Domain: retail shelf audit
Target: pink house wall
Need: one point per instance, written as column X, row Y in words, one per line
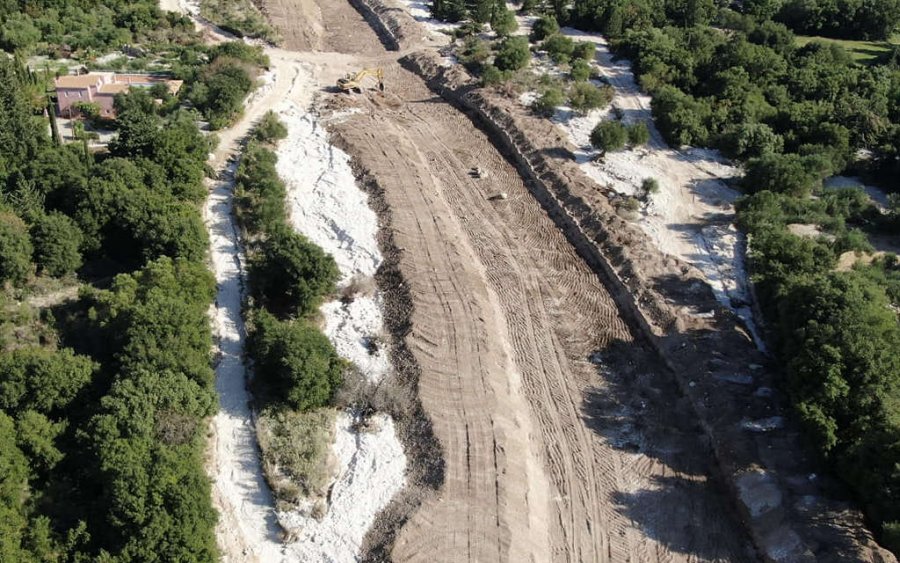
column 65, row 97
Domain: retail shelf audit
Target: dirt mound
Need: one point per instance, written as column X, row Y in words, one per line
column 792, row 514
column 396, row 28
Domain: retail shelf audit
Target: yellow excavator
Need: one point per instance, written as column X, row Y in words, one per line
column 353, row 82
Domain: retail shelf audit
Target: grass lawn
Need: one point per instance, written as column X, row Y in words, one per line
column 864, row 52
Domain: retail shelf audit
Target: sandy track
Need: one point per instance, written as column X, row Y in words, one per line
column 327, row 26
column 540, row 449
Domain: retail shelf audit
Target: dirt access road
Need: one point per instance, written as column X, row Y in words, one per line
column 562, row 442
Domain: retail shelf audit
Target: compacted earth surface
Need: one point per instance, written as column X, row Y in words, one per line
column 542, row 427
column 561, row 438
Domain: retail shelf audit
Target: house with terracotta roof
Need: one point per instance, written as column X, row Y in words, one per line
column 100, row 88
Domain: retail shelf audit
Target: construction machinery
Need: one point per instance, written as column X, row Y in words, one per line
column 353, row 82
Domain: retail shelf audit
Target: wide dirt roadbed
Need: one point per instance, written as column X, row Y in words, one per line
column 561, row 441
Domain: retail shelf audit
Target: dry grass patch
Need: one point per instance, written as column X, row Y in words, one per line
column 296, row 452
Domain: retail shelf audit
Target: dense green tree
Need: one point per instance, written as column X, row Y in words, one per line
column 15, row 249
column 221, row 90
column 13, row 493
column 57, row 244
column 681, row 118
column 609, row 136
column 788, row 173
column 295, row 361
column 512, row 54
column 36, row 436
column 292, row 275
column 20, row 135
column 42, row 380
column 157, row 317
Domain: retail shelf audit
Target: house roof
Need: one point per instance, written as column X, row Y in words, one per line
column 112, row 89
column 79, row 81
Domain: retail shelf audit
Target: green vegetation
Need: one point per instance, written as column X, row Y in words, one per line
column 297, row 371
column 543, row 27
column 548, row 102
column 15, row 249
column 52, row 27
column 843, row 18
column 239, row 17
column 503, row 21
column 609, row 136
column 584, row 96
column 295, row 447
column 294, row 361
column 512, row 54
column 865, row 52
column 638, row 134
column 103, row 399
column 580, row 70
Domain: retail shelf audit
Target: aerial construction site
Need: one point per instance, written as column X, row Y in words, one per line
column 557, row 378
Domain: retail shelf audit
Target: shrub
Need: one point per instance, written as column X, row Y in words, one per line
column 259, row 193
column 513, row 54
column 548, row 102
column 42, row 380
column 584, row 96
column 782, row 173
column 580, row 70
column 491, row 76
column 15, row 249
column 503, row 21
column 270, row 129
column 544, row 27
column 559, row 47
column 609, row 136
column 650, row 185
column 638, row 134
column 294, row 362
column 295, row 447
column 475, row 53
column 584, row 50
column 57, row 242
column 291, row 275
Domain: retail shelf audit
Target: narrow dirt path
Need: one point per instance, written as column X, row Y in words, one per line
column 247, row 529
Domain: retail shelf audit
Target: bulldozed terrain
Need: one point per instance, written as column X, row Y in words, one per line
column 561, row 438
column 563, row 434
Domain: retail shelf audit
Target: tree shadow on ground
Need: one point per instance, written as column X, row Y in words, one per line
column 640, row 409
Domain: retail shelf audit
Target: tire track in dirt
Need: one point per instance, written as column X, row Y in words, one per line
column 470, row 259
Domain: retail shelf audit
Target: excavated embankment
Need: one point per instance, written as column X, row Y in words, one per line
column 791, row 514
column 425, row 469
